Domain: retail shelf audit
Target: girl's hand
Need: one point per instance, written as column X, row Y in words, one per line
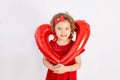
column 59, row 69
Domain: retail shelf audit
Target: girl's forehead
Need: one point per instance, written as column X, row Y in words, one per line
column 64, row 23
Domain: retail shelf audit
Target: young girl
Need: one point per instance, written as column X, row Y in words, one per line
column 62, row 24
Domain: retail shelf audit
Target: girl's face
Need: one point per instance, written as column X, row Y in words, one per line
column 63, row 30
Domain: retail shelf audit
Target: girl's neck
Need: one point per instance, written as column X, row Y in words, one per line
column 63, row 42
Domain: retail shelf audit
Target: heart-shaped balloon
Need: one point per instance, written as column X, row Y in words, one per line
column 42, row 39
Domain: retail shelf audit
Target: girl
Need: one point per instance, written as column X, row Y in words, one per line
column 62, row 24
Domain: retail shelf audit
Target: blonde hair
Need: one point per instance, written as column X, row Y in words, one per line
column 66, row 17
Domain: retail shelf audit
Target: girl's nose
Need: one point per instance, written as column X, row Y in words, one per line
column 63, row 31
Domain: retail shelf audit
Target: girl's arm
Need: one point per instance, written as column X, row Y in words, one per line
column 60, row 68
column 48, row 64
column 75, row 66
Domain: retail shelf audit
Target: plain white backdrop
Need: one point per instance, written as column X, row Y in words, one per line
column 20, row 58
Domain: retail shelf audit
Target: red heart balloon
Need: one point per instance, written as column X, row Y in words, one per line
column 42, row 39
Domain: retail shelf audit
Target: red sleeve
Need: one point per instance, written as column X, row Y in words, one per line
column 82, row 51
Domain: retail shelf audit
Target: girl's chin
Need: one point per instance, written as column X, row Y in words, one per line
column 64, row 38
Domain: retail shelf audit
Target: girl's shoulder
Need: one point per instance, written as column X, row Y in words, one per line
column 72, row 42
column 52, row 42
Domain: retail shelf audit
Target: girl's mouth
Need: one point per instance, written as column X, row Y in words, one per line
column 63, row 35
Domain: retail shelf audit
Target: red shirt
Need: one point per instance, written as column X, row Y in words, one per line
column 61, row 50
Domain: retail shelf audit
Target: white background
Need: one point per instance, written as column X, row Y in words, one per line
column 20, row 58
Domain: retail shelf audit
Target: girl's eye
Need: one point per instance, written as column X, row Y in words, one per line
column 67, row 28
column 59, row 28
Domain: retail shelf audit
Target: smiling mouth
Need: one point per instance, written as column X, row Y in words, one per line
column 63, row 35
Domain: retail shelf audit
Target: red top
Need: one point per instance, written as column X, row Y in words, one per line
column 61, row 50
